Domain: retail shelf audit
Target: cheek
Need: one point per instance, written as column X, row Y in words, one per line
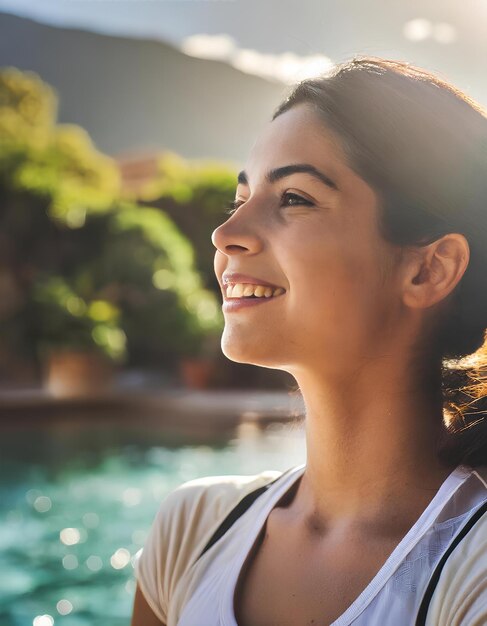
column 339, row 293
column 327, row 269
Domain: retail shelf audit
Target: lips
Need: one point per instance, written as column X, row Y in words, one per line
column 237, row 304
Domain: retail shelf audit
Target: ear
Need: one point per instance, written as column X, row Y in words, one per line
column 433, row 271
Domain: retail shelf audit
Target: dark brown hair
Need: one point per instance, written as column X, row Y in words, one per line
column 421, row 144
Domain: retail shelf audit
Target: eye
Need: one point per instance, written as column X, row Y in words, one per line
column 299, row 199
column 229, row 210
column 232, row 207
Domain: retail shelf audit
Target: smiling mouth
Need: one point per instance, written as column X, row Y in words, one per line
column 249, row 291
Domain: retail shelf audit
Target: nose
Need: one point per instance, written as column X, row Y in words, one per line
column 238, row 235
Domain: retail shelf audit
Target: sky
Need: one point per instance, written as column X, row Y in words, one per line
column 445, row 36
column 166, row 19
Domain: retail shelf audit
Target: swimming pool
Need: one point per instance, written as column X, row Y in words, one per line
column 76, row 506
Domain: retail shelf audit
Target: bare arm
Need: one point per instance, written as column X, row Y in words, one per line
column 142, row 613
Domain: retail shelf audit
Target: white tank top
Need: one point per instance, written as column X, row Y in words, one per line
column 394, row 594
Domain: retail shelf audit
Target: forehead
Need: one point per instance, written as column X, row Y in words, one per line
column 300, row 136
column 296, row 136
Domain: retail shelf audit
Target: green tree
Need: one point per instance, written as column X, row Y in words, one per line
column 79, row 266
column 194, row 194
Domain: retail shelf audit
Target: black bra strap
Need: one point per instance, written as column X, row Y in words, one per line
column 239, row 510
column 423, row 609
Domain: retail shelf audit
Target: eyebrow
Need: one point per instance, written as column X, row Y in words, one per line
column 297, row 168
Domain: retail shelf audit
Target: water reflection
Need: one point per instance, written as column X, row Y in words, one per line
column 69, row 536
column 70, row 561
column 64, row 607
column 94, row 563
column 71, row 527
column 43, row 620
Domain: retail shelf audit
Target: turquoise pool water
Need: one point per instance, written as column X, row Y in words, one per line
column 76, row 504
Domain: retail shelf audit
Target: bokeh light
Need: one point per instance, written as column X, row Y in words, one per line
column 120, row 558
column 64, row 607
column 69, row 536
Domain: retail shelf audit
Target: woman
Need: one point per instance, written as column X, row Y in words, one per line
column 362, row 216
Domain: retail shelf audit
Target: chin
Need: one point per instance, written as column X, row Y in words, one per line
column 243, row 350
column 238, row 353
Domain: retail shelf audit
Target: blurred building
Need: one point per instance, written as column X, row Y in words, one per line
column 137, row 170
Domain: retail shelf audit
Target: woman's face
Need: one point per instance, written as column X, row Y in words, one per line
column 317, row 237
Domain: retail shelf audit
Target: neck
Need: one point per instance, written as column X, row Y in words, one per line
column 372, row 452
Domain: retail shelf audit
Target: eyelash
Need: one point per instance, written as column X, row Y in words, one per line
column 229, row 210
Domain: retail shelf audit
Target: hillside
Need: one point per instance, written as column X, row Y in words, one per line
column 137, row 95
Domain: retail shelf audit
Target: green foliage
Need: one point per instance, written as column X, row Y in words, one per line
column 75, row 176
column 92, row 271
column 63, row 318
column 146, row 266
column 191, row 181
column 194, row 194
column 56, row 162
column 28, row 109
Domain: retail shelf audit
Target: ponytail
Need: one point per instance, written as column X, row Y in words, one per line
column 464, row 385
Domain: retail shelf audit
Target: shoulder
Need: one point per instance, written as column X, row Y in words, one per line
column 222, row 487
column 204, row 501
column 201, row 500
column 184, row 522
column 460, row 598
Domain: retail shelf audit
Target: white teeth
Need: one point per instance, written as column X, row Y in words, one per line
column 239, row 290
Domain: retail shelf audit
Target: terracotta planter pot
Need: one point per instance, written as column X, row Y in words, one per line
column 197, row 372
column 77, row 373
